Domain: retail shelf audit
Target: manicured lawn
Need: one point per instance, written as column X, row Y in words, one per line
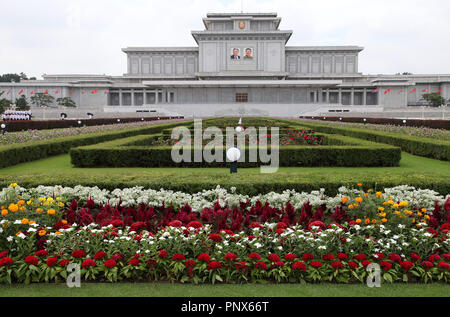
column 248, row 290
column 59, row 171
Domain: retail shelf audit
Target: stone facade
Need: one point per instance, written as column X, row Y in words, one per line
column 241, row 65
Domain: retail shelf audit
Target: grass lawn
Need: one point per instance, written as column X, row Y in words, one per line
column 58, row 170
column 247, row 290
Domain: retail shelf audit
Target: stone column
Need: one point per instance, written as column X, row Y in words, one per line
column 120, row 97
column 352, row 97
column 132, row 97
column 340, row 96
column 365, row 97
column 328, row 96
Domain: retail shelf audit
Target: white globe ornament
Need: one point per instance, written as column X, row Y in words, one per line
column 3, row 126
column 233, row 154
column 239, row 129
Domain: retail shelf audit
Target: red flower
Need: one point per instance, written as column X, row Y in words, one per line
column 254, row 256
column 117, row 257
column 136, row 226
column 255, row 225
column 117, row 223
column 190, row 263
column 194, row 224
column 385, row 265
column 281, row 225
column 352, row 265
column 134, row 262
column 299, row 266
column 79, row 254
column 230, row 257
column 204, row 257
column 365, row 263
column 342, row 256
column 395, row 257
column 215, row 237
column 3, row 254
column 279, row 263
column 446, row 256
column 414, row 257
column 178, row 257
column 434, row 258
column 406, row 265
column 151, row 262
column 110, row 263
column 443, row 265
column 6, row 261
column 273, row 257
column 307, row 257
column 163, row 254
column 214, row 265
column 317, row 224
column 175, row 223
column 290, row 257
column 261, row 265
column 87, row 263
column 241, row 265
column 41, row 253
column 51, row 261
column 316, row 264
column 279, row 231
column 328, row 256
column 360, row 257
column 337, row 265
column 99, row 255
column 63, row 262
column 427, row 264
column 379, row 256
column 31, row 260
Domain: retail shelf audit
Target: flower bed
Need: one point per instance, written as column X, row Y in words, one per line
column 219, row 236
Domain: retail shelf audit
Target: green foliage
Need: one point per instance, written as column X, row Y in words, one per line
column 437, row 149
column 22, row 103
column 66, row 102
column 4, row 103
column 42, row 100
column 434, row 99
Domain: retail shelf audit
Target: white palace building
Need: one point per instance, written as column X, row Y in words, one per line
column 242, row 66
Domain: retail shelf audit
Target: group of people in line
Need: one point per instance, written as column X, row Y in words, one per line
column 16, row 115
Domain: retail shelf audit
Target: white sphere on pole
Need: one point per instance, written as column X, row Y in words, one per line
column 233, row 154
column 239, row 129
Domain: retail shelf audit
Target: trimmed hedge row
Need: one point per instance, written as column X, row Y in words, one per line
column 437, row 149
column 13, row 126
column 18, row 153
column 352, row 153
column 434, row 124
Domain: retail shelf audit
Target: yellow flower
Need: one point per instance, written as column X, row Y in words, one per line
column 13, row 185
column 427, row 217
column 60, row 204
column 4, row 212
column 395, row 206
column 51, row 211
column 359, row 184
column 367, row 221
column 384, row 220
column 374, row 221
column 366, row 195
column 344, row 199
column 358, row 199
column 64, row 221
column 403, row 203
column 58, row 198
column 21, row 203
column 25, row 221
column 41, row 199
column 381, row 208
column 22, row 208
column 18, row 233
column 42, row 232
column 29, row 202
column 13, row 207
column 351, row 207
column 397, row 212
column 57, row 232
column 31, row 222
column 382, row 214
column 358, row 221
column 424, row 210
column 419, row 214
column 50, row 200
column 39, row 210
column 418, row 226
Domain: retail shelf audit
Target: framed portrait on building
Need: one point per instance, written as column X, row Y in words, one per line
column 248, row 53
column 236, row 53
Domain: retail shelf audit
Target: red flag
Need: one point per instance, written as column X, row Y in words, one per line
column 20, row 92
column 414, row 90
column 70, row 92
column 375, row 90
column 426, row 90
column 56, row 91
column 94, row 91
column 46, row 91
column 387, row 91
column 439, row 92
column 106, row 91
column 83, row 91
column 33, row 91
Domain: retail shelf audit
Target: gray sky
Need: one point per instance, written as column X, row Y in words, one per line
column 86, row 36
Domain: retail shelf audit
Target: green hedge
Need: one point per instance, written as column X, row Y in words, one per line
column 437, row 149
column 25, row 152
column 344, row 153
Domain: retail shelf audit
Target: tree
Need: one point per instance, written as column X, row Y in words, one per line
column 7, row 78
column 66, row 102
column 22, row 103
column 4, row 103
column 42, row 100
column 434, row 100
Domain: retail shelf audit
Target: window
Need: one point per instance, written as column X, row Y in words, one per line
column 241, row 97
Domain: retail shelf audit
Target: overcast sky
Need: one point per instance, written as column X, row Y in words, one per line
column 86, row 36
